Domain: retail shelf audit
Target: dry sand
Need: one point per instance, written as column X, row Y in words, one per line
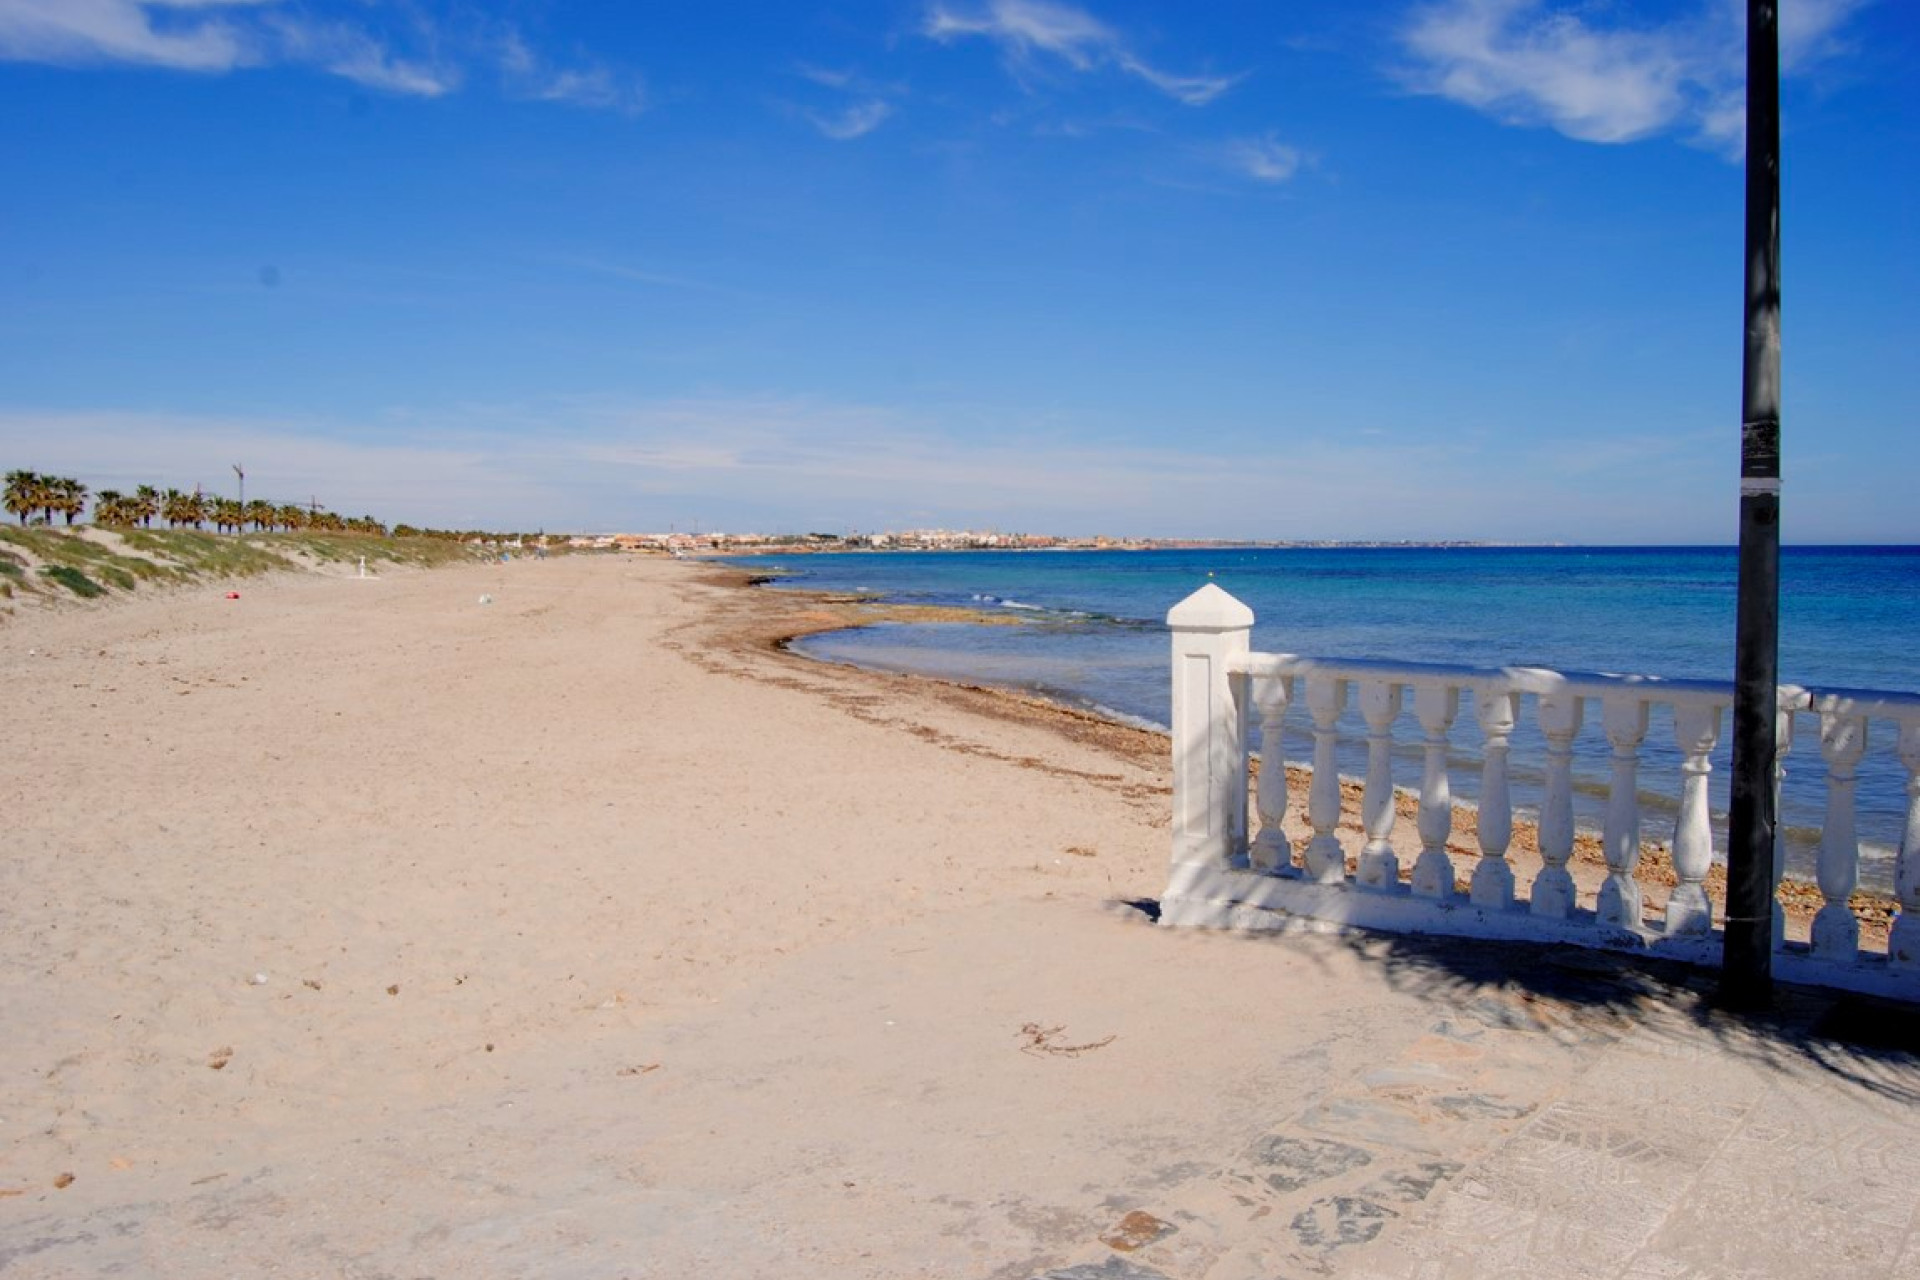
column 359, row 928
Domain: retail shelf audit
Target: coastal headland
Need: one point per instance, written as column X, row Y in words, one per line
column 547, row 918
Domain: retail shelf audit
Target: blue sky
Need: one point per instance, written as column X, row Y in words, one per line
column 1356, row 269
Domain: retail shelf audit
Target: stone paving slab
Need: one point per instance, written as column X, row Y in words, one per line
column 1567, row 1116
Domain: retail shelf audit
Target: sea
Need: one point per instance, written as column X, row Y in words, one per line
column 1092, row 634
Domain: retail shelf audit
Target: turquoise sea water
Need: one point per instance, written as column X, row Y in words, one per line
column 1094, row 636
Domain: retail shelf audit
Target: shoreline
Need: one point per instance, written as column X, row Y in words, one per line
column 820, row 612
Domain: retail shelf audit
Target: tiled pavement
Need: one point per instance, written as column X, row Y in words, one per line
column 1591, row 1120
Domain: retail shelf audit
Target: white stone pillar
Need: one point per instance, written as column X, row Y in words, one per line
column 1271, row 853
column 1903, row 941
column 1210, row 629
column 1497, row 711
column 1435, row 705
column 1843, row 740
column 1325, row 862
column 1696, row 728
column 1625, row 718
column 1553, row 894
column 1380, row 706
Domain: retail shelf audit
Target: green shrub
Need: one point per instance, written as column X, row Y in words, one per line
column 74, row 580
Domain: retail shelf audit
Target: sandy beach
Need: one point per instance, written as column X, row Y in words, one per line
column 362, row 928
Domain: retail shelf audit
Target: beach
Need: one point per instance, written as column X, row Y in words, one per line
column 546, row 919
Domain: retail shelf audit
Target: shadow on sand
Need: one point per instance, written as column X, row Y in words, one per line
column 1869, row 1043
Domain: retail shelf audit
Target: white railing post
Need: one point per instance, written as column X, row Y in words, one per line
column 1271, row 853
column 1325, row 861
column 1843, row 740
column 1696, row 727
column 1625, row 719
column 1210, row 630
column 1379, row 707
column 1903, row 940
column 1435, row 705
column 1553, row 894
column 1782, row 744
column 1492, row 884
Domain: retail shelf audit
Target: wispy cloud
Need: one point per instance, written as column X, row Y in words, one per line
column 219, row 36
column 355, row 55
column 526, row 74
column 1028, row 31
column 861, row 105
column 1565, row 67
column 1264, row 159
column 848, row 123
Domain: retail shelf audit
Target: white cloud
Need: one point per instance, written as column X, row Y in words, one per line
column 355, row 55
column 216, row 36
column 1264, row 159
column 591, row 85
column 855, row 121
column 1530, row 62
column 1027, row 29
column 826, row 76
column 82, row 32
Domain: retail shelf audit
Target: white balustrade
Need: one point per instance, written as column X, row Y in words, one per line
column 1791, row 700
column 1497, row 711
column 1625, row 719
column 1553, row 891
column 1220, row 879
column 1697, row 727
column 1379, row 706
column 1325, row 862
column 1843, row 740
column 1435, row 705
column 1271, row 853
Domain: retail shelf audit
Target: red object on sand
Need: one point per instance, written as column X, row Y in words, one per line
column 233, row 595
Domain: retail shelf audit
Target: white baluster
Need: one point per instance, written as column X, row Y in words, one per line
column 1843, row 740
column 1696, row 728
column 1492, row 887
column 1326, row 699
column 1271, row 853
column 1625, row 718
column 1436, row 705
column 1560, row 714
column 1782, row 744
column 1380, row 705
column 1903, row 941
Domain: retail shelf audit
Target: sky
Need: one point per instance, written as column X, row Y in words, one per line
column 1343, row 269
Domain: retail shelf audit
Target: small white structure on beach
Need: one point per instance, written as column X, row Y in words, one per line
column 1221, row 878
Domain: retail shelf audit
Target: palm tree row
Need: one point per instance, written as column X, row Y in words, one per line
column 28, row 492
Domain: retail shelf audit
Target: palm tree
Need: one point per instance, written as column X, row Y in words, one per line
column 23, row 494
column 110, row 507
column 261, row 513
column 67, row 496
column 292, row 516
column 146, row 505
column 228, row 514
